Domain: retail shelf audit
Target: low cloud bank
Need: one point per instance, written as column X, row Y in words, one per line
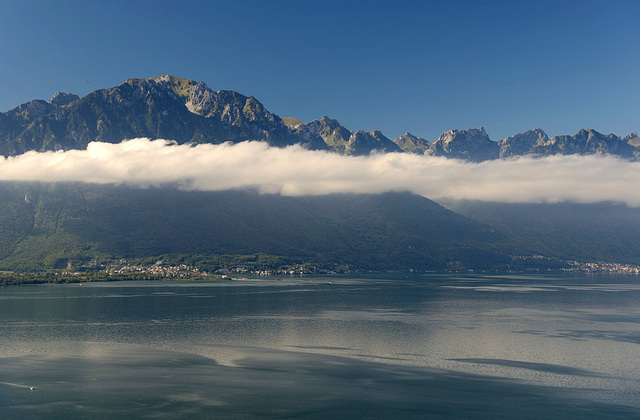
column 295, row 171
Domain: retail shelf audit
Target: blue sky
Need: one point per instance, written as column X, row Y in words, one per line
column 418, row 66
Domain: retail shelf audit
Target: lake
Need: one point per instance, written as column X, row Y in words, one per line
column 377, row 346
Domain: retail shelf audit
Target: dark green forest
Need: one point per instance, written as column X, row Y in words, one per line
column 56, row 226
column 46, row 227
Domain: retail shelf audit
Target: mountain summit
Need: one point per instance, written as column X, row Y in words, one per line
column 473, row 144
column 522, row 143
column 166, row 107
column 412, row 144
column 344, row 141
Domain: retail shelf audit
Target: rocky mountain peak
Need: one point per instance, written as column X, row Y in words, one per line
column 363, row 143
column 632, row 139
column 194, row 94
column 181, row 87
column 62, row 99
column 591, row 136
column 327, row 130
column 520, row 144
column 330, row 122
column 468, row 135
column 292, row 122
column 32, row 110
column 170, row 78
column 412, row 144
column 472, row 144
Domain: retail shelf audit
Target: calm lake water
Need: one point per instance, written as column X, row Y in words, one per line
column 395, row 347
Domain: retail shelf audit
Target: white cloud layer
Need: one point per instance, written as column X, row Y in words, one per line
column 296, row 171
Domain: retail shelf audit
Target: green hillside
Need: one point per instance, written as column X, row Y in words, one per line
column 47, row 226
column 55, row 225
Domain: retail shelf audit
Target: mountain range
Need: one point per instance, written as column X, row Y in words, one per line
column 186, row 111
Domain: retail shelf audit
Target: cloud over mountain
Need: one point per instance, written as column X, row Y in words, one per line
column 297, row 171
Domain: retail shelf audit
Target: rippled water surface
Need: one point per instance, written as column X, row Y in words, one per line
column 423, row 346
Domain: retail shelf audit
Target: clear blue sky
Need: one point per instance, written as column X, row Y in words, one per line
column 418, row 66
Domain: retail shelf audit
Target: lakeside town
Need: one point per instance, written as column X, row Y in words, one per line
column 123, row 267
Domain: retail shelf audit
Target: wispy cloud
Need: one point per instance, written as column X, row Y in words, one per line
column 296, row 171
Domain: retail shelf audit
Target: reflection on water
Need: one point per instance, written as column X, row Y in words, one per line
column 340, row 347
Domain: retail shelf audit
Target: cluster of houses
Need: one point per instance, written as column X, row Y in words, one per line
column 599, row 267
column 157, row 269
